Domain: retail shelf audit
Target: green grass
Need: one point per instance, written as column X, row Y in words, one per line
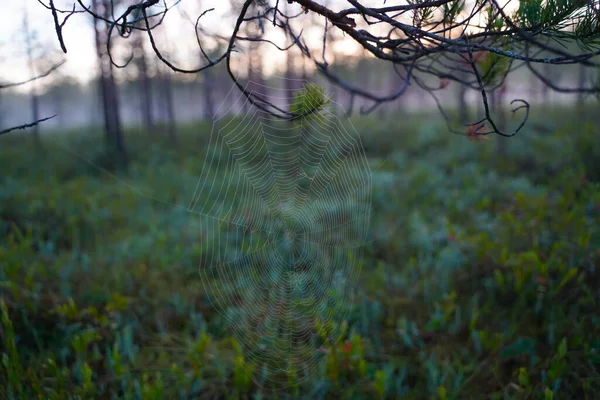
column 480, row 279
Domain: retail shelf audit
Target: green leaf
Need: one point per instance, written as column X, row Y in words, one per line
column 566, row 279
column 562, row 348
column 380, row 380
column 523, row 377
column 521, row 346
column 442, row 393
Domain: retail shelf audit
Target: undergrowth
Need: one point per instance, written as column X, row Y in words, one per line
column 480, row 279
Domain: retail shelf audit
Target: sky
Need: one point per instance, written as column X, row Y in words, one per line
column 78, row 35
column 176, row 34
column 77, row 32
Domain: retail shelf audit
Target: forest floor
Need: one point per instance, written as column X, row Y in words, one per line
column 478, row 276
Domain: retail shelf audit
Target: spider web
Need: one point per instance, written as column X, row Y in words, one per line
column 284, row 210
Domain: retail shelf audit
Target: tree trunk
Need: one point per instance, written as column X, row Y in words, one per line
column 350, row 108
column 501, row 115
column 256, row 80
column 463, row 111
column 115, row 114
column 304, row 72
column 533, row 87
column 208, row 91
column 396, row 81
column 57, row 99
column 108, row 90
column 383, row 108
column 545, row 89
column 35, row 104
column 246, row 105
column 35, row 111
column 290, row 86
column 167, row 87
column 335, row 98
column 145, row 85
column 581, row 95
column 463, row 108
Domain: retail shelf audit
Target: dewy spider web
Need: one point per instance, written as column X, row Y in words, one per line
column 284, row 209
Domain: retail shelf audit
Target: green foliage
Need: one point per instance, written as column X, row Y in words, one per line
column 452, row 10
column 481, row 280
column 11, row 366
column 310, row 100
column 494, row 22
column 493, row 67
column 562, row 19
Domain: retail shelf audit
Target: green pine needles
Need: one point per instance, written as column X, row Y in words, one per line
column 308, row 101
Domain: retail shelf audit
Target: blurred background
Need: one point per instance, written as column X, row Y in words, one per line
column 477, row 272
column 149, row 91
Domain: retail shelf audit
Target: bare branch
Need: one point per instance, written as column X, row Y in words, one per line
column 45, row 74
column 25, row 126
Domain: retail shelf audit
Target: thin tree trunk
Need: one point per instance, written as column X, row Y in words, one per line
column 35, row 111
column 208, row 91
column 116, row 118
column 246, row 105
column 533, row 87
column 383, row 108
column 105, row 110
column 262, row 87
column 290, row 86
column 463, row 111
column 304, row 72
column 256, row 79
column 463, row 108
column 166, row 88
column 108, row 90
column 145, row 86
column 252, row 84
column 396, row 81
column 335, row 96
column 290, row 72
column 501, row 113
column 350, row 108
column 35, row 104
column 365, row 77
column 545, row 89
column 102, row 83
column 581, row 95
column 170, row 108
column 57, row 99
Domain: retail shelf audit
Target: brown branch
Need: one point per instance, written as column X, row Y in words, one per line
column 59, row 26
column 55, row 67
column 25, row 126
column 337, row 19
